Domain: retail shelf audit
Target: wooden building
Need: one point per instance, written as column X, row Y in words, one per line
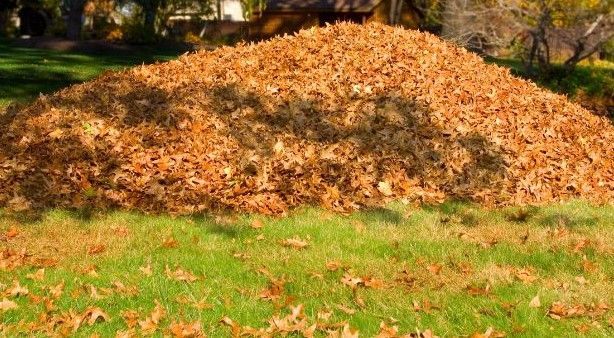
column 288, row 16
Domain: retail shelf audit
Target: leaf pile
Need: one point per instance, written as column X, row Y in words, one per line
column 344, row 116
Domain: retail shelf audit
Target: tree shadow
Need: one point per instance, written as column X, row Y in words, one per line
column 332, row 155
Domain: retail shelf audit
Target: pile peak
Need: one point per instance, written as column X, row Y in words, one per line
column 344, row 116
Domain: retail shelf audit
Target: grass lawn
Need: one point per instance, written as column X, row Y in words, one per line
column 27, row 72
column 455, row 269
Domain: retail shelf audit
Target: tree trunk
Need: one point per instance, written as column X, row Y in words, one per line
column 75, row 22
column 396, row 7
column 4, row 18
column 149, row 20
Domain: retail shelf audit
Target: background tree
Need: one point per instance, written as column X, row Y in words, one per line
column 6, row 9
column 572, row 29
column 74, row 17
column 250, row 6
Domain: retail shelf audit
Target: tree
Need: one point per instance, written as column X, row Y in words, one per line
column 250, row 5
column 74, row 23
column 429, row 13
column 150, row 11
column 572, row 29
column 6, row 8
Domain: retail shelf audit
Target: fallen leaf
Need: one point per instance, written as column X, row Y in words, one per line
column 385, row 189
column 170, row 242
column 180, row 275
column 535, row 302
column 12, row 232
column 186, row 330
column 295, row 243
column 526, row 275
column 333, row 265
column 346, row 309
column 93, row 314
column 131, row 318
column 39, row 275
column 56, row 291
column 96, row 249
column 6, row 305
column 146, row 270
column 435, row 268
column 16, row 290
column 256, row 224
column 150, row 324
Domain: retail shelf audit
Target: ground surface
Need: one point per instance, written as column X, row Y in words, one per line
column 26, row 72
column 454, row 269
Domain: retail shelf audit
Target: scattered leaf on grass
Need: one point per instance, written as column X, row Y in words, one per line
column 11, row 233
column 146, row 270
column 96, row 249
column 39, row 275
column 186, row 330
column 170, row 242
column 435, row 268
column 6, row 305
column 180, row 274
column 256, row 224
column 94, row 314
column 131, row 318
column 16, row 290
column 150, row 324
column 295, row 243
column 535, row 302
column 526, row 275
column 333, row 265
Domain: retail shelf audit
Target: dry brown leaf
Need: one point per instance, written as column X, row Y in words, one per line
column 295, row 243
column 131, row 318
column 437, row 127
column 186, row 330
column 39, row 275
column 146, row 270
column 333, row 265
column 180, row 275
column 535, row 302
column 6, row 305
column 170, row 242
column 96, row 249
column 256, row 224
column 435, row 268
column 12, row 232
column 94, row 314
column 526, row 275
column 384, row 188
column 16, row 290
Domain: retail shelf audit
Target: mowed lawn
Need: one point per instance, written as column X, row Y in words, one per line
column 454, row 269
column 25, row 73
column 451, row 270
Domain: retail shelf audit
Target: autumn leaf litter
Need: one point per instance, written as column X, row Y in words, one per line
column 345, row 116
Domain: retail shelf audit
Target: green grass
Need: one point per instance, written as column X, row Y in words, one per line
column 595, row 80
column 477, row 249
column 396, row 245
column 27, row 72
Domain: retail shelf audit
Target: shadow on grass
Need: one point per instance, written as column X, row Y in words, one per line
column 567, row 220
column 25, row 73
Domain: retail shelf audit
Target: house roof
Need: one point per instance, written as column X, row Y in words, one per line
column 321, row 5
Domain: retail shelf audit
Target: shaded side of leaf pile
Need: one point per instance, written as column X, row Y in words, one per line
column 343, row 116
